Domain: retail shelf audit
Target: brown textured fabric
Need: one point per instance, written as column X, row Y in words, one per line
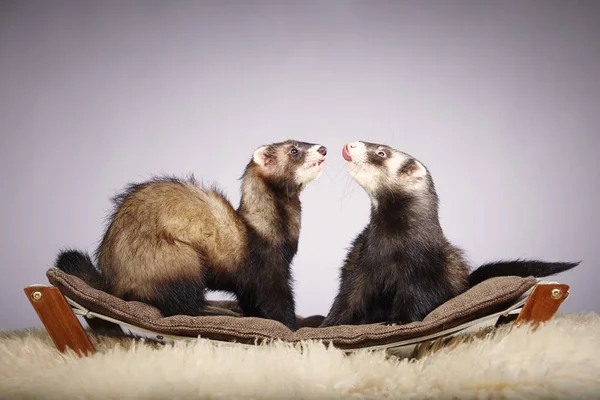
column 482, row 299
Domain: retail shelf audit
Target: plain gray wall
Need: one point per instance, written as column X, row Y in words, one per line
column 500, row 99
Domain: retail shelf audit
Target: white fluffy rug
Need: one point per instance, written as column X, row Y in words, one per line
column 559, row 360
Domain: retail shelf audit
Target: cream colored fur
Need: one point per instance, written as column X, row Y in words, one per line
column 559, row 360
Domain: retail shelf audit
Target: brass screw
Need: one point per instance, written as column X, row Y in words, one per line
column 556, row 293
column 36, row 295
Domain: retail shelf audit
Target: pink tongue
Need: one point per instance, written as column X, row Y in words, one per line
column 345, row 154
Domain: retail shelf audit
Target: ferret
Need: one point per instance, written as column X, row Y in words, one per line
column 401, row 266
column 169, row 239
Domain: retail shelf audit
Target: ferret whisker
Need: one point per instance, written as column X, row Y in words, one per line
column 347, row 187
column 353, row 185
column 327, row 174
column 339, row 170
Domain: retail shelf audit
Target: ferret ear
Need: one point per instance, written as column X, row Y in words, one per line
column 261, row 157
column 413, row 169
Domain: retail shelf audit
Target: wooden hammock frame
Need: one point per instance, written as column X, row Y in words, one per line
column 66, row 331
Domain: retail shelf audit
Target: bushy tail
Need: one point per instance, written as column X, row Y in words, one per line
column 79, row 264
column 523, row 268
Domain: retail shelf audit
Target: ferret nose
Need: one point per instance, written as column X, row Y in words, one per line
column 352, row 145
column 322, row 150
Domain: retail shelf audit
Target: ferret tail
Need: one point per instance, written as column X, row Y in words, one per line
column 79, row 264
column 522, row 268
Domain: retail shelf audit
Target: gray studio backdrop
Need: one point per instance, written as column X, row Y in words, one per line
column 500, row 99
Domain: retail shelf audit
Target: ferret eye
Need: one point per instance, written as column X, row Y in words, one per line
column 294, row 150
column 381, row 154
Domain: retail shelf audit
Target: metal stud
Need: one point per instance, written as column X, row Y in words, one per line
column 556, row 293
column 36, row 295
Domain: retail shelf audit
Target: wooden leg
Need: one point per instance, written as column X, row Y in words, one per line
column 59, row 320
column 542, row 304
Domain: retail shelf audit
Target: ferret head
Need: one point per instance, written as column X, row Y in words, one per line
column 290, row 163
column 381, row 170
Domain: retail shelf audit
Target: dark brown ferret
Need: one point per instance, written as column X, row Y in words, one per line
column 170, row 239
column 402, row 266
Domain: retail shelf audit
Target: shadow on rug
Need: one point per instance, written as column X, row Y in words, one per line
column 558, row 360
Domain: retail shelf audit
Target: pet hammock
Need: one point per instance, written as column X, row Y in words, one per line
column 487, row 304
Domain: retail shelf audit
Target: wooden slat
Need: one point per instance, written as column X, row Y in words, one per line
column 59, row 320
column 542, row 304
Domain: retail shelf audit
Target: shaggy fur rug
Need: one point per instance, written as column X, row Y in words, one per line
column 560, row 359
